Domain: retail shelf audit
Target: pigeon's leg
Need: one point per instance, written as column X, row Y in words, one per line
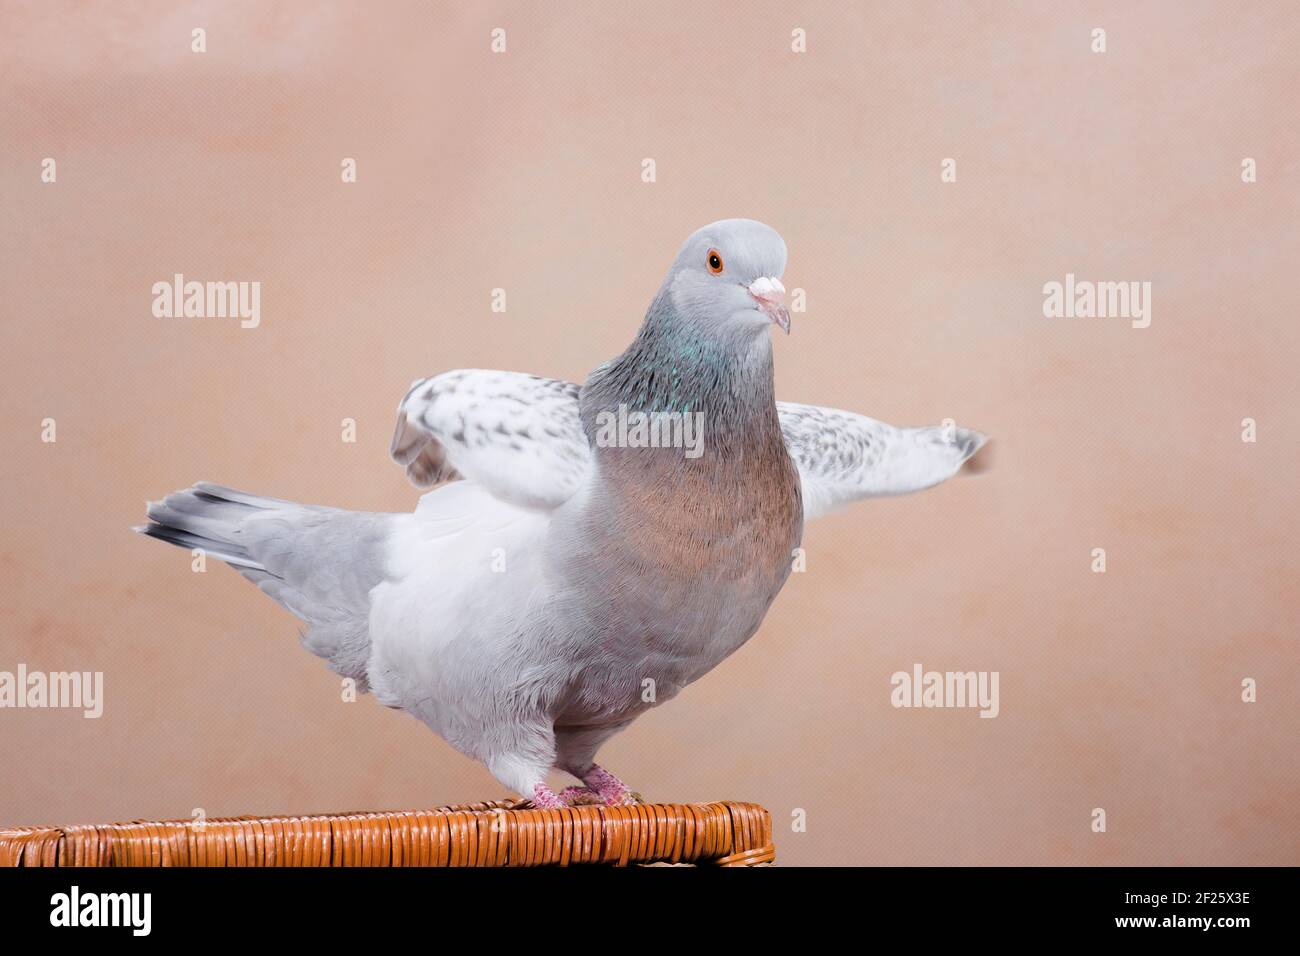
column 575, row 750
column 526, row 753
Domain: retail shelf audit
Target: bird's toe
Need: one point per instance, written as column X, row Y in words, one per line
column 579, row 797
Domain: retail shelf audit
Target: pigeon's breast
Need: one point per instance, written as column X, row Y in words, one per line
column 678, row 563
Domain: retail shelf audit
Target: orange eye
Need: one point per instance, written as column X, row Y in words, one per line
column 715, row 261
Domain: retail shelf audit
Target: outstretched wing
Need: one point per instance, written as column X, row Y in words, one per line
column 843, row 457
column 518, row 436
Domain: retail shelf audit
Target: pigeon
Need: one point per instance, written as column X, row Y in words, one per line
column 586, row 551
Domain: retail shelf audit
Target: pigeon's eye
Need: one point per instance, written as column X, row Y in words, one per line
column 715, row 261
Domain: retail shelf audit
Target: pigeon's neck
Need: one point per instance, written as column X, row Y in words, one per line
column 677, row 367
column 693, row 483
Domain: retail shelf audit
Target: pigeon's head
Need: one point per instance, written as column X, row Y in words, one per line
column 728, row 274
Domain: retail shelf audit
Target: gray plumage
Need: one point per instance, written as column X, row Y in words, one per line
column 526, row 605
column 319, row 563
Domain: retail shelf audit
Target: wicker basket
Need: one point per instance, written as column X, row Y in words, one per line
column 500, row 833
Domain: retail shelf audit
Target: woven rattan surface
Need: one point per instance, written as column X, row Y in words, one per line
column 500, row 833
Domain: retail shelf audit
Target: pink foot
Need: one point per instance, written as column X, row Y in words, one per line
column 544, row 798
column 577, row 796
column 612, row 791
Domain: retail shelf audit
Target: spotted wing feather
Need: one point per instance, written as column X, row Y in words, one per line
column 517, row 435
column 843, row 457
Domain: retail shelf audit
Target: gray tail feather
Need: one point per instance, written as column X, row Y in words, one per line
column 329, row 593
column 208, row 517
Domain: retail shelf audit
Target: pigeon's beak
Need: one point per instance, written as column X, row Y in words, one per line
column 770, row 296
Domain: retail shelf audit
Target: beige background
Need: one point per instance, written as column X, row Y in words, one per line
column 522, row 171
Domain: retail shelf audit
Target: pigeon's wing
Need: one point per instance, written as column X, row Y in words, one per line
column 843, row 457
column 516, row 435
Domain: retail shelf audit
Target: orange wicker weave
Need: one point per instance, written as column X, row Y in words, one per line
column 499, row 833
